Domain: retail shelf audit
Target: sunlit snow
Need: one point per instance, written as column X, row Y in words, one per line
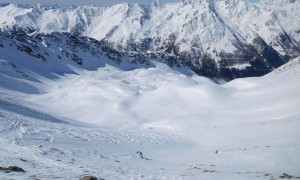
column 187, row 127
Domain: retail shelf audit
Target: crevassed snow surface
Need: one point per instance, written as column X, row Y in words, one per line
column 187, row 127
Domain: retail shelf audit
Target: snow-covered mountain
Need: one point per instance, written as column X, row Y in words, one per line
column 114, row 92
column 225, row 39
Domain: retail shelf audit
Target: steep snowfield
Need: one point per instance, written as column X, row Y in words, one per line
column 186, row 126
column 225, row 39
column 72, row 106
column 206, row 25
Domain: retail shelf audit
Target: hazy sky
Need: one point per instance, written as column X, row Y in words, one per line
column 82, row 2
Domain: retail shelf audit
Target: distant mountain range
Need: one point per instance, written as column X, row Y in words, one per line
column 224, row 39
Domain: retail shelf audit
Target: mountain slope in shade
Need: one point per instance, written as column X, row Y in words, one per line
column 115, row 92
column 225, row 39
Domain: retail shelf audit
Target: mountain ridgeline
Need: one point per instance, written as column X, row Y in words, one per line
column 225, row 39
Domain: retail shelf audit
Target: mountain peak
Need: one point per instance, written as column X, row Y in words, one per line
column 195, row 33
column 198, row 1
column 277, row 3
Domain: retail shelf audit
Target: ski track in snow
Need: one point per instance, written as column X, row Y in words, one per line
column 95, row 122
column 38, row 145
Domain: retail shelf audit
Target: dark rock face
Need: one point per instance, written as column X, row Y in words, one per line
column 140, row 155
column 212, row 38
column 1, row 45
column 259, row 57
column 90, row 178
column 287, row 176
column 11, row 169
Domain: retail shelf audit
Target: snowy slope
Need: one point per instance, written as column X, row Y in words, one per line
column 186, row 126
column 187, row 20
column 213, row 38
column 287, row 67
column 114, row 92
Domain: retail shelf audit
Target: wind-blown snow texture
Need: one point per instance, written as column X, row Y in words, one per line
column 225, row 39
column 148, row 123
column 81, row 94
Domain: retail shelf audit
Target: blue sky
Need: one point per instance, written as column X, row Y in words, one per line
column 83, row 2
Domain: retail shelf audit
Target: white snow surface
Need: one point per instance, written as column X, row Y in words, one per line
column 212, row 26
column 93, row 122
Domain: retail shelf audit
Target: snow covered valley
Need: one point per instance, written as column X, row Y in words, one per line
column 150, row 123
